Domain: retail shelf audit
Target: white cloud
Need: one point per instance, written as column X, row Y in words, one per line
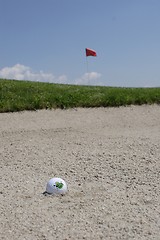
column 21, row 72
column 91, row 78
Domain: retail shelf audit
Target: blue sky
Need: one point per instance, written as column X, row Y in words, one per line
column 45, row 40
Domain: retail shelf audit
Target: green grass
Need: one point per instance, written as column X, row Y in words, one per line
column 26, row 95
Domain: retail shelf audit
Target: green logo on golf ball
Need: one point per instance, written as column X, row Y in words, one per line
column 59, row 185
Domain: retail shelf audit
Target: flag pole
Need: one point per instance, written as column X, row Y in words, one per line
column 87, row 69
column 89, row 52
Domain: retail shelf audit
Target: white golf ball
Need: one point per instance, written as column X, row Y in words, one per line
column 56, row 186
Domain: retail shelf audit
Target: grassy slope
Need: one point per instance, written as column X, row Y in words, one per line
column 26, row 95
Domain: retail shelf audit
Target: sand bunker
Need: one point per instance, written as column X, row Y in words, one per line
column 110, row 159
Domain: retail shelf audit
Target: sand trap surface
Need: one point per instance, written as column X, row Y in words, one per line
column 110, row 159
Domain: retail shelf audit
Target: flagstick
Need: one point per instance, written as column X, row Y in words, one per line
column 87, row 69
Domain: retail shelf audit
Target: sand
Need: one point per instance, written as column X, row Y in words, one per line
column 110, row 159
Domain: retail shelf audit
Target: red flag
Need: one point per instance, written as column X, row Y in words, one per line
column 90, row 52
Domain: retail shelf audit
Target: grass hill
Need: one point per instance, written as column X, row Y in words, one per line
column 26, row 95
